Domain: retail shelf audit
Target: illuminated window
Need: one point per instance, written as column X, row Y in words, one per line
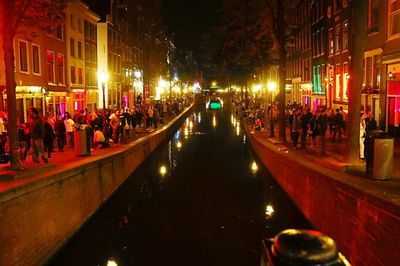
column 35, row 59
column 50, row 67
column 338, row 81
column 345, row 80
column 394, row 18
column 23, row 56
column 60, row 68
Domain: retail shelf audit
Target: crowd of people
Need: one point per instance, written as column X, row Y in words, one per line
column 304, row 124
column 41, row 132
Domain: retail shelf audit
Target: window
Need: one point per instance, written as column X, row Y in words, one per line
column 338, row 38
column 79, row 25
column 345, row 35
column 80, row 76
column 73, row 75
column 60, row 68
column 373, row 16
column 60, row 32
column 93, row 53
column 322, row 40
column 394, row 18
column 23, row 56
column 87, row 52
column 72, row 21
column 86, row 29
column 88, row 80
column 331, row 42
column 72, row 47
column 35, row 59
column 346, row 77
column 79, row 49
column 338, row 81
column 50, row 67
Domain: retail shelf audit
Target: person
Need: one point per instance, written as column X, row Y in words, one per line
column 98, row 139
column 338, row 126
column 295, row 129
column 48, row 136
column 61, row 131
column 37, row 134
column 305, row 122
column 322, row 125
column 257, row 125
column 362, row 137
column 69, row 126
column 344, row 115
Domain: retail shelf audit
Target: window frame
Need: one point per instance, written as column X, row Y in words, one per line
column 49, row 81
column 20, row 57
column 390, row 20
column 38, row 60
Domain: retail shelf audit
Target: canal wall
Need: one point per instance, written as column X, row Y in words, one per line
column 352, row 210
column 37, row 218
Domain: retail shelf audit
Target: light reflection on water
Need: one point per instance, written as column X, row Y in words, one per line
column 202, row 198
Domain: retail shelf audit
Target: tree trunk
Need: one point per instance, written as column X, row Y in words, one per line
column 8, row 36
column 282, row 70
column 358, row 23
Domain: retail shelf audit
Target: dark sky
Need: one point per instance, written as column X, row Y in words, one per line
column 189, row 19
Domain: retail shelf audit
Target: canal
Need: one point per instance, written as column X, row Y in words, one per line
column 202, row 198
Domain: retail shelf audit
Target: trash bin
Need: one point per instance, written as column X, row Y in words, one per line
column 379, row 155
column 82, row 141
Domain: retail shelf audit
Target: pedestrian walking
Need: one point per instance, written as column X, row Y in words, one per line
column 37, row 134
column 69, row 126
column 61, row 132
column 48, row 137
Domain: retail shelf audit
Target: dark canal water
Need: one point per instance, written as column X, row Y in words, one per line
column 208, row 208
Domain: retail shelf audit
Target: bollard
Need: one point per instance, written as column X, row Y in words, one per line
column 302, row 248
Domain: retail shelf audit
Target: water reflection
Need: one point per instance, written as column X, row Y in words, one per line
column 203, row 198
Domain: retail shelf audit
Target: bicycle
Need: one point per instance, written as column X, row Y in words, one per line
column 5, row 154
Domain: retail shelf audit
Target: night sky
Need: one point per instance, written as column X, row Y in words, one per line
column 190, row 19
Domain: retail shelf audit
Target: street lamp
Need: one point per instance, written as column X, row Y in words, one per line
column 271, row 88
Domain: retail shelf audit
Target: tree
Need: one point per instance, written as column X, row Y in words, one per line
column 358, row 22
column 279, row 20
column 45, row 14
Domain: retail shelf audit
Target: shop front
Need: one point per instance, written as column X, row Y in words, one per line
column 393, row 101
column 27, row 97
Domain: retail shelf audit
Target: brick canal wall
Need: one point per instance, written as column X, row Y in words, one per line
column 365, row 227
column 36, row 219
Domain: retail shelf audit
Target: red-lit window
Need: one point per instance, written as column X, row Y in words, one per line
column 50, row 67
column 23, row 56
column 60, row 68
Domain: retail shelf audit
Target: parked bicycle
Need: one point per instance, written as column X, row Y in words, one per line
column 5, row 154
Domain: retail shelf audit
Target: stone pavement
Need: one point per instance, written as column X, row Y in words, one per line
column 10, row 179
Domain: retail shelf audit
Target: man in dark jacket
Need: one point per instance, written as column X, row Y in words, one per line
column 61, row 132
column 37, row 134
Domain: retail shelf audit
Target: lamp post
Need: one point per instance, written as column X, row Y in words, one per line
column 271, row 88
